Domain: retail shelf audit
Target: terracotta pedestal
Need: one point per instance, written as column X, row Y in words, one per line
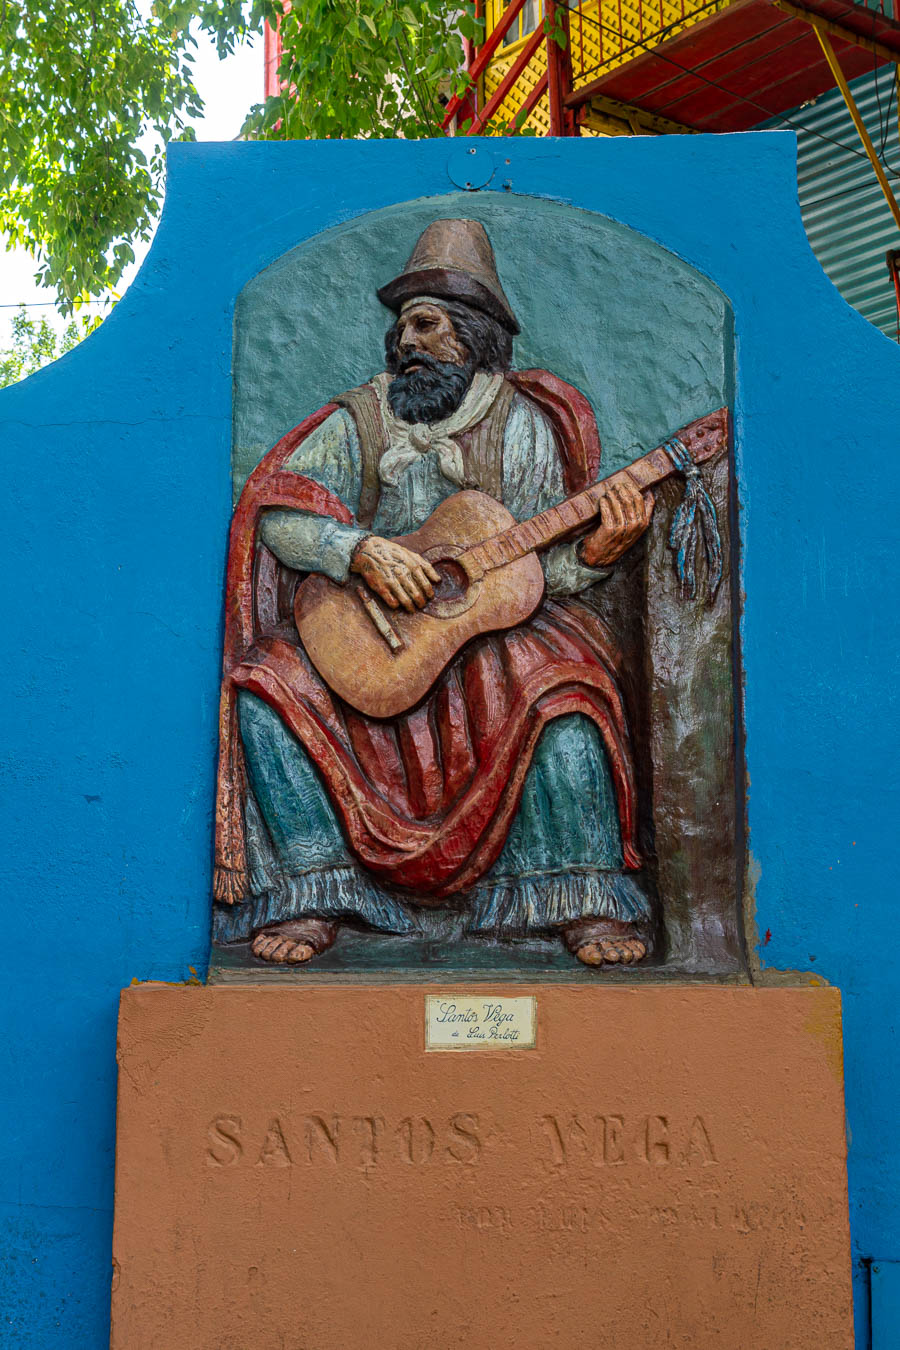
column 296, row 1172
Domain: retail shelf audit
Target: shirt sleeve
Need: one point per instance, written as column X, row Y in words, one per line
column 532, row 482
column 330, row 455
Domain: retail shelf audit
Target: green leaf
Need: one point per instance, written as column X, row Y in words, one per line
column 91, row 98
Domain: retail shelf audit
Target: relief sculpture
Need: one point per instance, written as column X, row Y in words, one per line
column 443, row 655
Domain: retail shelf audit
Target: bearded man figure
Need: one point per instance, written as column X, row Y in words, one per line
column 508, row 792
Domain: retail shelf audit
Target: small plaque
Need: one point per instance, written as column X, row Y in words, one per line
column 481, row 1023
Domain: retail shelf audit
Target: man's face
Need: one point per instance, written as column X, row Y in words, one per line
column 429, row 329
column 430, row 366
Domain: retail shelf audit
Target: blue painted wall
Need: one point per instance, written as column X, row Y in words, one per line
column 116, row 464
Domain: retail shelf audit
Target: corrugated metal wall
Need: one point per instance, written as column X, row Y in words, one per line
column 846, row 216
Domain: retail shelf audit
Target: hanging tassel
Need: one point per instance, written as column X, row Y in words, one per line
column 694, row 525
column 231, row 882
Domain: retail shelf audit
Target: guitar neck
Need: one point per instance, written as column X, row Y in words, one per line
column 702, row 439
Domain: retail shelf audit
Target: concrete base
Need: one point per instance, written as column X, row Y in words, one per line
column 296, row 1172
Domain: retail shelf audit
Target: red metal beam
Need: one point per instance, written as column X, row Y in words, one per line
column 508, row 80
column 751, row 67
column 559, row 70
column 477, row 68
column 468, row 103
column 756, row 89
column 734, row 30
column 648, row 72
column 272, row 53
column 469, row 48
column 865, row 24
column 740, row 66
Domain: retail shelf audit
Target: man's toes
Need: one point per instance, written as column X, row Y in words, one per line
column 596, row 953
column 268, row 947
column 610, row 951
column 299, row 952
column 273, row 947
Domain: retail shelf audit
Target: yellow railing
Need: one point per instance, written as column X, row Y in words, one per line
column 603, row 34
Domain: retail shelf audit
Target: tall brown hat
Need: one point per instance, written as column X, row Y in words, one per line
column 452, row 260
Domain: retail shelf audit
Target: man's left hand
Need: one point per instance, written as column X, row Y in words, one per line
column 625, row 513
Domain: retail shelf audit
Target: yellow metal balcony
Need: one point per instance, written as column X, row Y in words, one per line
column 602, row 35
column 676, row 65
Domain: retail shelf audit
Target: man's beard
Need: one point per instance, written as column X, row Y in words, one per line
column 430, row 393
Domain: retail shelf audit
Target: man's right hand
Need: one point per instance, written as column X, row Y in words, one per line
column 398, row 575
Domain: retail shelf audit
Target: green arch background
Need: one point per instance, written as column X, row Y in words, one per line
column 645, row 336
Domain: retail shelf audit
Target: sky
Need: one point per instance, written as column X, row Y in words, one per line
column 228, row 89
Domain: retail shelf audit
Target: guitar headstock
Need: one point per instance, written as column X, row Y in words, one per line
column 707, row 436
column 702, row 439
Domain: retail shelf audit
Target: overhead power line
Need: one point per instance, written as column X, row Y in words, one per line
column 44, row 304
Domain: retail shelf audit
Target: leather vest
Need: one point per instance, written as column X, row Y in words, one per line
column 482, row 445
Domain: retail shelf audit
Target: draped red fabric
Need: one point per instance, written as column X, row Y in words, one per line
column 426, row 799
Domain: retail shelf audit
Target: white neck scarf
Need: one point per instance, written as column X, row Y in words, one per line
column 408, row 441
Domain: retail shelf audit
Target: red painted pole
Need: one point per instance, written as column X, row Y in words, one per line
column 469, row 47
column 272, row 52
column 508, row 80
column 559, row 70
column 468, row 106
column 484, row 56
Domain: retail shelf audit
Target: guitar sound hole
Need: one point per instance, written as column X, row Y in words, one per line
column 453, row 583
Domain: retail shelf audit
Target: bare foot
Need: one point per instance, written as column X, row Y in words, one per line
column 599, row 942
column 270, row 947
column 293, row 942
column 612, row 950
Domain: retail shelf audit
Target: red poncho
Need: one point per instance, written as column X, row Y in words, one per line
column 425, row 799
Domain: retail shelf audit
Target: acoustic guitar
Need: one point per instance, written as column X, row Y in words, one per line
column 383, row 661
